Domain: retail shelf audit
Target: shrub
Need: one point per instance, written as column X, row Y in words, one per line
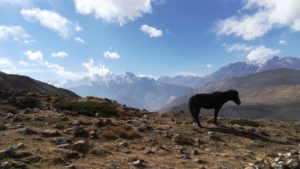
column 89, row 108
column 245, row 122
column 115, row 132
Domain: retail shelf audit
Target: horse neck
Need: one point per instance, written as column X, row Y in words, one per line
column 226, row 97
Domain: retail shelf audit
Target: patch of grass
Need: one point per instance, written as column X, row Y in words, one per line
column 245, row 122
column 115, row 132
column 89, row 108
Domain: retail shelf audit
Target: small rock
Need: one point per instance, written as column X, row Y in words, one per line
column 73, row 113
column 70, row 166
column 50, row 133
column 13, row 165
column 27, row 131
column 93, row 134
column 182, row 140
column 2, row 127
column 138, row 163
column 58, row 160
column 195, row 152
column 19, row 146
column 71, row 156
column 80, row 132
column 210, row 132
column 7, row 153
column 144, row 128
column 124, row 144
column 20, row 126
column 81, row 146
column 31, row 159
column 61, row 140
column 198, row 161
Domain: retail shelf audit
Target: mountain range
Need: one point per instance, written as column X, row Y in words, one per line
column 166, row 92
column 129, row 89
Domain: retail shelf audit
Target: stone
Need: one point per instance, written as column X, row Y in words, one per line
column 65, row 146
column 20, row 126
column 2, row 127
column 27, row 131
column 195, row 152
column 73, row 113
column 182, row 140
column 70, row 166
column 81, row 146
column 124, row 144
column 138, row 163
column 93, row 134
column 13, row 165
column 50, row 133
column 7, row 153
column 144, row 128
column 80, row 132
column 58, row 160
column 71, row 156
column 198, row 161
column 18, row 146
column 61, row 140
column 31, row 159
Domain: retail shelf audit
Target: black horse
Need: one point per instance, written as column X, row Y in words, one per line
column 211, row 101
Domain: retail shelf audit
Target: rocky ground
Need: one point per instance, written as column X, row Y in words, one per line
column 46, row 137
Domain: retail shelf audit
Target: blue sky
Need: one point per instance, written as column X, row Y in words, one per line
column 55, row 40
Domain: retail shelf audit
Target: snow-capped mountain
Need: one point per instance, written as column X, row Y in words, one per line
column 191, row 81
column 240, row 69
column 129, row 89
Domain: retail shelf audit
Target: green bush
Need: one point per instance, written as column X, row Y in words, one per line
column 88, row 108
column 245, row 122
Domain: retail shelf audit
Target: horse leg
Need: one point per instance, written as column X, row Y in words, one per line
column 216, row 115
column 196, row 116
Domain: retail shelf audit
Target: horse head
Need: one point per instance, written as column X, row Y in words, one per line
column 234, row 96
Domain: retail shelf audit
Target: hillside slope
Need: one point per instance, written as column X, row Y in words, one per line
column 18, row 82
column 64, row 136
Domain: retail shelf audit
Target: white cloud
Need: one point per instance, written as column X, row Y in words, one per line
column 16, row 2
column 94, row 70
column 267, row 15
column 253, row 53
column 6, row 65
column 79, row 40
column 15, row 33
column 261, row 53
column 23, row 63
column 114, row 11
column 50, row 20
column 34, row 56
column 4, row 62
column 111, row 55
column 151, row 31
column 237, row 47
column 37, row 57
column 59, row 54
column 78, row 28
column 208, row 65
column 282, row 42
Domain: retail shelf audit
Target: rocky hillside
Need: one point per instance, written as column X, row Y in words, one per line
column 270, row 94
column 18, row 82
column 94, row 133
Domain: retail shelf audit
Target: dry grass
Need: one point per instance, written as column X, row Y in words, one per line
column 115, row 132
